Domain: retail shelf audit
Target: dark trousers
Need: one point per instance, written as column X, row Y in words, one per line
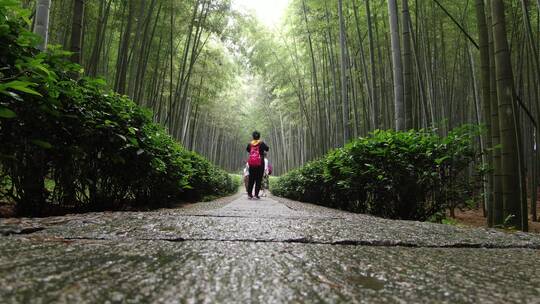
column 255, row 178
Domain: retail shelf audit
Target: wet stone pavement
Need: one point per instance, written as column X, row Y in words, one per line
column 271, row 251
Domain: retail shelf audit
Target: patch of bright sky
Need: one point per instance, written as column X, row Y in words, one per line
column 269, row 12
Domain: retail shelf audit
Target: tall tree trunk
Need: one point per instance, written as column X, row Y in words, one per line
column 508, row 119
column 498, row 216
column 407, row 64
column 534, row 49
column 99, row 38
column 123, row 51
column 312, row 56
column 171, row 42
column 140, row 87
column 368, row 120
column 343, row 68
column 376, row 101
column 41, row 26
column 398, row 71
column 77, row 30
column 484, row 79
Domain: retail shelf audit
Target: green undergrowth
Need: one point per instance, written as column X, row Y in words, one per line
column 73, row 144
column 450, row 221
column 237, row 179
column 414, row 175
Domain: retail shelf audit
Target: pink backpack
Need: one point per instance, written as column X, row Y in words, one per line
column 254, row 156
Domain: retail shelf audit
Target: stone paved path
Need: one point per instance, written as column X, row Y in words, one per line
column 268, row 251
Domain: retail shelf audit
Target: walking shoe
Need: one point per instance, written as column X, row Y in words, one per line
column 257, row 197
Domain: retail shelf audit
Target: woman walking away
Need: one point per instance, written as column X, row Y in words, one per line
column 265, row 185
column 256, row 149
column 246, row 177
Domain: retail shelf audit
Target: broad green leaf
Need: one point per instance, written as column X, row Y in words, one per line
column 21, row 86
column 26, row 90
column 41, row 143
column 7, row 113
column 4, row 29
column 43, row 69
column 439, row 160
column 134, row 141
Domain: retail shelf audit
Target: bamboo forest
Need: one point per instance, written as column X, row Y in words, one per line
column 212, row 148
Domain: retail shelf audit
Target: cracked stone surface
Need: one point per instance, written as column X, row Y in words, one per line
column 268, row 251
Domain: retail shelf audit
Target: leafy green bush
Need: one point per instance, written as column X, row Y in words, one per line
column 402, row 175
column 94, row 148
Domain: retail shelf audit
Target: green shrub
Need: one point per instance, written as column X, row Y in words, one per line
column 93, row 148
column 402, row 175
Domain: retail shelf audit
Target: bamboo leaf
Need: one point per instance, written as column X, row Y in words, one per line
column 21, row 86
column 41, row 143
column 7, row 113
